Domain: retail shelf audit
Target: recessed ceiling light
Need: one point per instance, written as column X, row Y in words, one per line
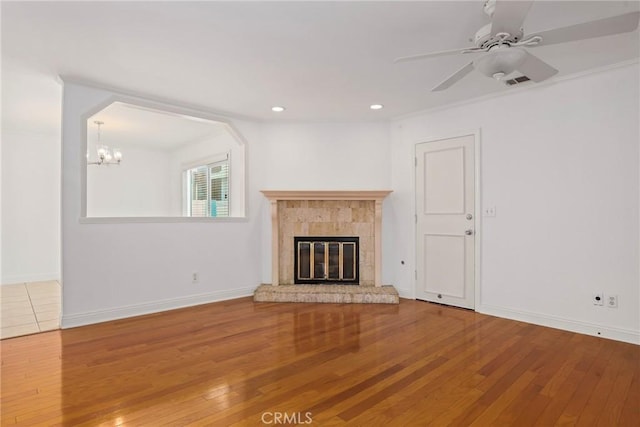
column 277, row 109
column 376, row 106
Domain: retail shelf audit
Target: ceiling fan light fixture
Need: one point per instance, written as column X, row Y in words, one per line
column 500, row 62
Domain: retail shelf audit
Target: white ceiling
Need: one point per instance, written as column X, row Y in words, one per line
column 125, row 125
column 324, row 61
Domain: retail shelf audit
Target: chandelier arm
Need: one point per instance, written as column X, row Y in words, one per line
column 106, row 156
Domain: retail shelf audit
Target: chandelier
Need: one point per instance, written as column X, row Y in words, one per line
column 106, row 155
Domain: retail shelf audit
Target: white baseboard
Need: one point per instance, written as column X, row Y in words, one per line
column 81, row 319
column 618, row 334
column 88, row 318
column 403, row 293
column 27, row 278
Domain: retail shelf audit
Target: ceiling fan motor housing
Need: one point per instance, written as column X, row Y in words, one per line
column 485, row 38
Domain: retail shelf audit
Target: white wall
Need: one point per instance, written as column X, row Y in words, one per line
column 30, row 206
column 327, row 156
column 30, row 144
column 113, row 270
column 560, row 163
column 137, row 187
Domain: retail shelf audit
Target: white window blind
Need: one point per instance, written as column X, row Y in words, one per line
column 208, row 190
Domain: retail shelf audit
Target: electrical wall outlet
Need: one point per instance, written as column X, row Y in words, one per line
column 612, row 301
column 195, row 277
column 598, row 299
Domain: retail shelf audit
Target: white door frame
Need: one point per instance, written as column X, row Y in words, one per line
column 478, row 214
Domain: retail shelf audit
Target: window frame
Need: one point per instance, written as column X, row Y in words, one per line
column 208, row 163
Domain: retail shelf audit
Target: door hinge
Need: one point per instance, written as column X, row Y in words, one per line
column 416, row 271
column 416, row 218
column 415, row 163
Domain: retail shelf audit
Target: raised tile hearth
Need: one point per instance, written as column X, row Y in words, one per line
column 337, row 294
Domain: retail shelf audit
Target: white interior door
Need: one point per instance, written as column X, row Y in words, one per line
column 445, row 208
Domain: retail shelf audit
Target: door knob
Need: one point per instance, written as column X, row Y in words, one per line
column 468, row 232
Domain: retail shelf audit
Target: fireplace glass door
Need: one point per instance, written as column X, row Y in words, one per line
column 326, row 260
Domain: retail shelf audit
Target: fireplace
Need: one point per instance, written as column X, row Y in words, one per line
column 326, row 260
column 355, row 213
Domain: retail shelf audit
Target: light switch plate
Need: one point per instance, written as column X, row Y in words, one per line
column 489, row 211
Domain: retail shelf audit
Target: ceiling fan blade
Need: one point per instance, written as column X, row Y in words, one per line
column 600, row 28
column 436, row 54
column 536, row 69
column 455, row 77
column 509, row 16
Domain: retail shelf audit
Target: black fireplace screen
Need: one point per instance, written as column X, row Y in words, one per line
column 326, row 260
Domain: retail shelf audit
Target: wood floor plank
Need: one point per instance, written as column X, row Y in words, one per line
column 501, row 402
column 233, row 362
column 612, row 410
column 630, row 413
column 577, row 407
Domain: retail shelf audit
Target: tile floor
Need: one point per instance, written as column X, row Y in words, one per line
column 29, row 308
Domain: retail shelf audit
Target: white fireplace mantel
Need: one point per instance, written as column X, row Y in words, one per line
column 369, row 195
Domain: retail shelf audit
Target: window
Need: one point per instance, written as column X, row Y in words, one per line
column 207, row 189
column 157, row 161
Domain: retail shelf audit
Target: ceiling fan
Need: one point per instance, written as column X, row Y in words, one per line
column 501, row 43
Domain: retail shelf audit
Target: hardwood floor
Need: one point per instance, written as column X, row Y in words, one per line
column 244, row 363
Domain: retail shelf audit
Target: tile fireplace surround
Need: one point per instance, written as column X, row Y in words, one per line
column 326, row 213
